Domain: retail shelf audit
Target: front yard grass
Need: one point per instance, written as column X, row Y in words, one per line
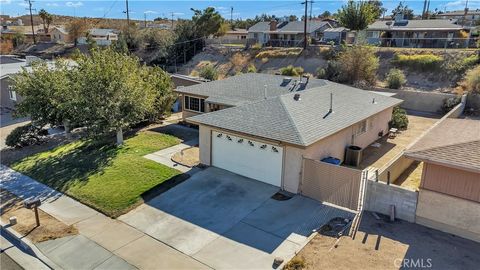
column 97, row 173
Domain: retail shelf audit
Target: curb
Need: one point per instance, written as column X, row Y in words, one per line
column 27, row 246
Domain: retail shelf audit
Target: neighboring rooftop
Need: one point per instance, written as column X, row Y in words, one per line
column 248, row 87
column 288, row 27
column 452, row 143
column 300, row 122
column 415, row 25
column 102, row 32
column 460, row 13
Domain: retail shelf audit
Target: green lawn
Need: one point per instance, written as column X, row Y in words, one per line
column 101, row 175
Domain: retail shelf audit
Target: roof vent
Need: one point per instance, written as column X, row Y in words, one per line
column 296, row 97
column 374, row 101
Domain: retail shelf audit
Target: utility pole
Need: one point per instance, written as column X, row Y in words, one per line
column 31, row 21
column 231, row 15
column 128, row 13
column 172, row 19
column 427, row 13
column 424, row 8
column 305, row 25
column 145, row 19
column 465, row 14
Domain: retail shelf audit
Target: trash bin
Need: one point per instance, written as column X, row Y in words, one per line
column 353, row 155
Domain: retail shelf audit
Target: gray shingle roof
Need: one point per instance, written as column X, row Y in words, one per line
column 245, row 88
column 300, row 122
column 298, row 26
column 102, row 32
column 260, row 27
column 452, row 142
column 415, row 25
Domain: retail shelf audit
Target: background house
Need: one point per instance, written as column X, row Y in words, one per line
column 472, row 17
column 449, row 195
column 286, row 33
column 60, row 35
column 103, row 37
column 417, row 33
column 265, row 125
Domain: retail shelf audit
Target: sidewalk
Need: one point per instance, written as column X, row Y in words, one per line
column 102, row 243
column 164, row 157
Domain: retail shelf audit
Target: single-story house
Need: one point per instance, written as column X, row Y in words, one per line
column 449, row 192
column 60, row 35
column 103, row 37
column 337, row 34
column 286, row 33
column 235, row 34
column 261, row 126
column 9, row 66
column 401, row 32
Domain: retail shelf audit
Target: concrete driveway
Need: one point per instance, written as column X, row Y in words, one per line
column 229, row 221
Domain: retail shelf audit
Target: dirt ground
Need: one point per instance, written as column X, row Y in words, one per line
column 50, row 228
column 391, row 245
column 411, row 177
column 188, row 157
column 391, row 147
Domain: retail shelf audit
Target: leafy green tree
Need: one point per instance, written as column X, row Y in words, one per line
column 356, row 15
column 48, row 93
column 326, row 14
column 405, row 10
column 207, row 21
column 160, row 81
column 117, row 91
column 377, row 7
column 47, row 19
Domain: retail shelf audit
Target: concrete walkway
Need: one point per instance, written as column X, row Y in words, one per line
column 164, row 156
column 102, row 243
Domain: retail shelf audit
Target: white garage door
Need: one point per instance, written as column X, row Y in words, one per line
column 249, row 158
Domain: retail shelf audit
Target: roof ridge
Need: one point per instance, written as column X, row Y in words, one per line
column 440, row 146
column 290, row 119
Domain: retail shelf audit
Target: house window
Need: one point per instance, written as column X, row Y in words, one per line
column 373, row 34
column 13, row 95
column 361, row 128
column 195, row 104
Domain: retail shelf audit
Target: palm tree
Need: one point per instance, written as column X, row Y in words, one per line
column 47, row 19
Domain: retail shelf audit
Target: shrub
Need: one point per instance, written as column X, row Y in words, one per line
column 321, row 73
column 295, row 264
column 251, row 68
column 333, row 70
column 358, row 63
column 399, row 118
column 208, row 72
column 463, row 64
column 395, row 78
column 420, row 62
column 24, row 136
column 291, row 71
column 450, row 103
column 472, row 80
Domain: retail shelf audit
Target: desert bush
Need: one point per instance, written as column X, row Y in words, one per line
column 291, row 71
column 208, row 72
column 395, row 78
column 358, row 63
column 251, row 68
column 419, row 62
column 321, row 73
column 256, row 46
column 399, row 118
column 463, row 64
column 472, row 80
column 25, row 136
column 296, row 263
column 450, row 103
column 332, row 72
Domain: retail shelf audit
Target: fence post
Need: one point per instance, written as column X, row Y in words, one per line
column 388, row 178
column 376, row 175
